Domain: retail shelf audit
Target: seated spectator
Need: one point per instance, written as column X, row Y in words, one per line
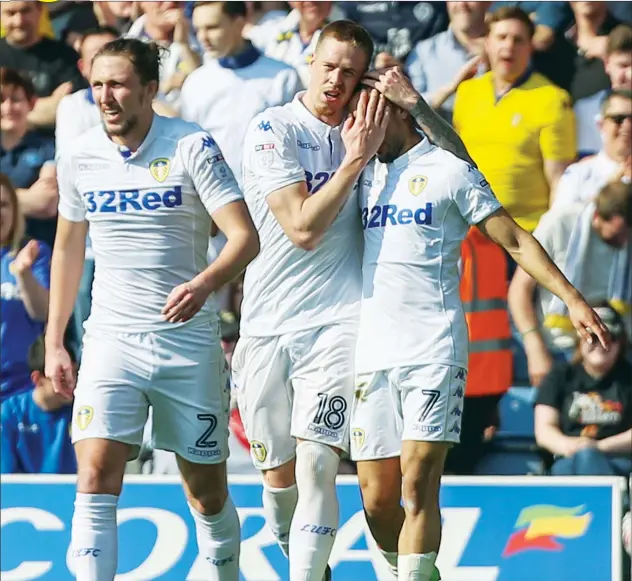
column 50, row 63
column 438, row 65
column 591, row 245
column 551, row 19
column 166, row 24
column 583, row 180
column 583, row 410
column 27, row 157
column 294, row 39
column 36, row 426
column 236, row 83
column 619, row 70
column 517, row 125
column 484, row 295
column 575, row 60
column 396, row 27
column 25, row 270
column 261, row 18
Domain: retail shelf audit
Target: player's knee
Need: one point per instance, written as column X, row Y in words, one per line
column 209, row 502
column 421, row 477
column 316, row 464
column 99, row 479
column 380, row 502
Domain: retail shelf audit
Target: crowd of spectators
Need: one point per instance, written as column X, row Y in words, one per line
column 540, row 93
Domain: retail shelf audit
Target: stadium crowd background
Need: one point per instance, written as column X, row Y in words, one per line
column 549, row 126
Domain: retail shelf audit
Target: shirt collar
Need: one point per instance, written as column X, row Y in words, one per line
column 305, row 115
column 153, row 132
column 89, row 96
column 521, row 80
column 245, row 58
column 415, row 152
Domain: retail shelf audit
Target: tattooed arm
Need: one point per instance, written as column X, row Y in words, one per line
column 398, row 89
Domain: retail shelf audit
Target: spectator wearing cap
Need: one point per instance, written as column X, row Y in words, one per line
column 591, row 244
column 51, row 64
column 438, row 65
column 583, row 180
column 588, row 110
column 583, row 410
column 515, row 123
column 25, row 279
column 27, row 157
column 236, row 82
column 36, row 425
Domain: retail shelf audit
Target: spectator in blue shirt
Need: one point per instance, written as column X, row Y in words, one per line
column 27, row 157
column 36, row 426
column 25, row 275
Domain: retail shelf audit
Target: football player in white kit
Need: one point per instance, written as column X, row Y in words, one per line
column 418, row 202
column 293, row 365
column 146, row 185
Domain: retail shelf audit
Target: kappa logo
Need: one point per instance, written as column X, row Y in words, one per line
column 455, row 429
column 258, row 450
column 207, row 142
column 458, row 392
column 264, row 126
column 84, row 417
column 358, row 436
column 417, row 184
column 159, row 169
column 461, row 374
column 456, row 411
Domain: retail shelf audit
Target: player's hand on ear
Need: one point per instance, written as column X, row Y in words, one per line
column 364, row 129
column 184, row 301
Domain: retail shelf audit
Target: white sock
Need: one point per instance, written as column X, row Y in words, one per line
column 315, row 521
column 391, row 559
column 278, row 507
column 218, row 539
column 94, row 537
column 416, row 567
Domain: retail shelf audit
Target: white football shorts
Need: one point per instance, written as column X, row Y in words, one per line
column 420, row 403
column 182, row 374
column 297, row 385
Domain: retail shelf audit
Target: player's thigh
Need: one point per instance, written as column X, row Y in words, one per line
column 260, row 376
column 190, row 398
column 110, row 400
column 380, row 484
column 376, row 419
column 322, row 379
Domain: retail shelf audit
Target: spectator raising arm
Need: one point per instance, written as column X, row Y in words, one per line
column 45, row 108
column 34, row 295
column 40, row 200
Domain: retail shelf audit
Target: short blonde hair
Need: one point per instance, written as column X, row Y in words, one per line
column 16, row 233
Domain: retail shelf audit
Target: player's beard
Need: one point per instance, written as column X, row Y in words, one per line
column 124, row 129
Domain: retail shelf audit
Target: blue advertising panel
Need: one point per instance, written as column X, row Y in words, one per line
column 495, row 529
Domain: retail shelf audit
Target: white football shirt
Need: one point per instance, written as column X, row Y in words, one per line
column 287, row 289
column 224, row 100
column 416, row 212
column 149, row 218
column 583, row 180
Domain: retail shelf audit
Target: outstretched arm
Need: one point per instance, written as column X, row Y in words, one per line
column 396, row 87
column 529, row 254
